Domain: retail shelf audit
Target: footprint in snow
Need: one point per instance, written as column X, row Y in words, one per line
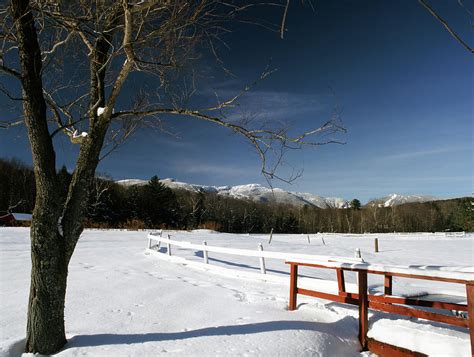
column 240, row 296
column 86, row 266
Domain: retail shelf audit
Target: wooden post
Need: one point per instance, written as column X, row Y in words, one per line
column 293, row 286
column 322, row 238
column 205, row 254
column 169, row 245
column 363, row 309
column 387, row 283
column 376, row 242
column 340, row 281
column 271, row 235
column 262, row 260
column 470, row 312
column 309, row 241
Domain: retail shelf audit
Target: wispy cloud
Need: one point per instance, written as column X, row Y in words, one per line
column 423, row 153
column 213, row 169
column 278, row 106
column 266, row 104
column 281, row 106
column 175, row 142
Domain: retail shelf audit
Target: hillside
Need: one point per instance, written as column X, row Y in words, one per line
column 396, row 200
column 259, row 193
column 235, row 209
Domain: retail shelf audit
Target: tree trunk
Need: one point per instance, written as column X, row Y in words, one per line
column 54, row 233
column 45, row 327
column 56, row 226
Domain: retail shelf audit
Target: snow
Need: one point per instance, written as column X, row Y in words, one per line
column 259, row 193
column 77, row 135
column 124, row 301
column 253, row 191
column 432, row 338
column 100, row 111
column 60, row 226
column 395, row 199
column 132, row 182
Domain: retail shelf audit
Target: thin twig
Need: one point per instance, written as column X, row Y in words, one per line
column 446, row 25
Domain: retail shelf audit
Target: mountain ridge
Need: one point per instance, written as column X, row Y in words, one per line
column 259, row 193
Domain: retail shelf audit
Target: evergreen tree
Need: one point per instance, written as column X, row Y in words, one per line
column 159, row 203
column 355, row 204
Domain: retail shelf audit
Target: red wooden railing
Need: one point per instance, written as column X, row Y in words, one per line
column 386, row 302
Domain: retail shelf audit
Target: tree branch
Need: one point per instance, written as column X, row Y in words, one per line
column 10, row 71
column 129, row 61
column 446, row 25
column 282, row 28
column 6, row 124
column 262, row 140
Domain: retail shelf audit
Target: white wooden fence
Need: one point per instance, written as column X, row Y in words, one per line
column 155, row 240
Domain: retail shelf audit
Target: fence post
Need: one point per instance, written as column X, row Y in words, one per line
column 387, row 285
column 206, row 257
column 271, row 235
column 262, row 260
column 376, row 242
column 169, row 245
column 357, row 253
column 293, row 286
column 363, row 309
column 340, row 281
column 470, row 312
column 149, row 243
column 309, row 241
column 322, row 238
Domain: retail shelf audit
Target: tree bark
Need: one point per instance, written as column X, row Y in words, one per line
column 83, row 178
column 45, row 326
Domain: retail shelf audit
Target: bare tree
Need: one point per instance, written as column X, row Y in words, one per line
column 74, row 60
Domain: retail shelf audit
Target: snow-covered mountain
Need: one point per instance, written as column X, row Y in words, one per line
column 132, row 182
column 253, row 192
column 264, row 194
column 396, row 199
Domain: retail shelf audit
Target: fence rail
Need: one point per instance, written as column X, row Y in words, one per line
column 387, row 302
column 249, row 253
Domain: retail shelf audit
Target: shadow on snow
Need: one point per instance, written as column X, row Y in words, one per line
column 345, row 328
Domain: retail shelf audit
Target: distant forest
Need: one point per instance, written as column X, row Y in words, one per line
column 156, row 206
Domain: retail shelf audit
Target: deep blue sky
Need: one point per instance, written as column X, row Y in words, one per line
column 404, row 85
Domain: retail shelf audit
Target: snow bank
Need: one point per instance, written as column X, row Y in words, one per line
column 431, row 338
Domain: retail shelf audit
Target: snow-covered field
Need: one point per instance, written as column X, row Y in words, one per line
column 123, row 301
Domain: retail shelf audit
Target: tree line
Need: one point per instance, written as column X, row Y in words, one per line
column 154, row 205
